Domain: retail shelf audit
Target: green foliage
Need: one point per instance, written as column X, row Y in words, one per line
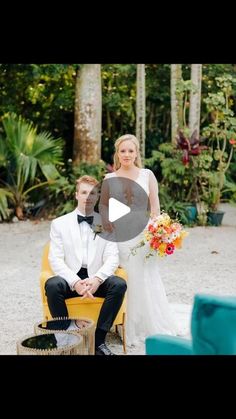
column 174, row 175
column 179, row 184
column 230, row 187
column 222, row 136
column 118, row 101
column 25, row 156
column 4, row 209
column 175, row 209
column 96, row 170
column 43, row 94
column 62, row 192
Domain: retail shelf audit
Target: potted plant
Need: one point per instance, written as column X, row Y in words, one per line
column 215, row 216
column 221, row 133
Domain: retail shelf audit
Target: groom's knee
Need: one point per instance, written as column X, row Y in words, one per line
column 118, row 284
column 54, row 285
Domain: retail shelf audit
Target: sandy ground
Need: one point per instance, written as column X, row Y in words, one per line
column 206, row 264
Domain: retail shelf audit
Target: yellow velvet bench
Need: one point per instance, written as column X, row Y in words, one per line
column 76, row 306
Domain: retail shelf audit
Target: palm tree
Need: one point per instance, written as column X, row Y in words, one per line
column 195, row 99
column 23, row 154
column 176, row 101
column 4, row 210
column 141, row 108
column 88, row 114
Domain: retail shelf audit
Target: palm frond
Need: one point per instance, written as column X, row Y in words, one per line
column 30, row 150
column 4, row 210
column 49, row 171
column 3, row 153
column 48, row 149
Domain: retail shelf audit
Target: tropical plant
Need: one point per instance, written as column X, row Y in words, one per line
column 222, row 135
column 175, row 209
column 184, row 90
column 26, row 156
column 4, row 210
column 190, row 146
column 62, row 191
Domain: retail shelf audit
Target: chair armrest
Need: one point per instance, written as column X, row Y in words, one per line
column 168, row 345
column 44, row 275
column 121, row 273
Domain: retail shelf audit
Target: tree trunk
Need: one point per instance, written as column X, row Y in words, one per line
column 88, row 115
column 176, row 101
column 195, row 99
column 140, row 108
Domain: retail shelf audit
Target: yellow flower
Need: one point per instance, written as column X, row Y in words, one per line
column 164, row 219
column 148, row 236
column 162, row 247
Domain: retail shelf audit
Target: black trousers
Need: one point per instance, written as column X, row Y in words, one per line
column 113, row 290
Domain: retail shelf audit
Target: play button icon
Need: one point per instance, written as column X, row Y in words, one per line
column 117, row 210
column 123, row 207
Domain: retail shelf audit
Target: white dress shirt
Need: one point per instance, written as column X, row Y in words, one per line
column 85, row 229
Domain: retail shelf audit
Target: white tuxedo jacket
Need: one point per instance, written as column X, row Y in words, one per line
column 65, row 254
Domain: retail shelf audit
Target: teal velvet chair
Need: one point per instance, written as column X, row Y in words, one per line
column 213, row 330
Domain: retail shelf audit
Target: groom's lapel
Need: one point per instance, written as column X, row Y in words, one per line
column 75, row 234
column 93, row 240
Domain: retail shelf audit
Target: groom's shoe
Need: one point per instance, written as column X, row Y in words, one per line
column 103, row 350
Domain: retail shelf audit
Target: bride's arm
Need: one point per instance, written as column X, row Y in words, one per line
column 104, row 205
column 153, row 196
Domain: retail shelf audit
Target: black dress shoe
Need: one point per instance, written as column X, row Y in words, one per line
column 103, row 350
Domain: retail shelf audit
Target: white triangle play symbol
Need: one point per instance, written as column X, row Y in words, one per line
column 116, row 210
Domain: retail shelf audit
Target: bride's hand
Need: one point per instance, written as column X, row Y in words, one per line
column 108, row 226
column 153, row 216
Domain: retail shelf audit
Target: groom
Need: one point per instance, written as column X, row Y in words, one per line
column 84, row 263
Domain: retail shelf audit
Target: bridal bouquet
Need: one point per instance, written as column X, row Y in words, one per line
column 164, row 235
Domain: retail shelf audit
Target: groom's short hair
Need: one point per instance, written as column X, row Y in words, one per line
column 86, row 179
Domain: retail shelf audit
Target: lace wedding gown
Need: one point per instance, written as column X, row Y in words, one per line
column 148, row 310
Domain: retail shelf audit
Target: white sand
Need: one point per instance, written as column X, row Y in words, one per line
column 206, row 264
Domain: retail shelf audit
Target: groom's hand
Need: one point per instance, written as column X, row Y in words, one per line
column 81, row 287
column 92, row 285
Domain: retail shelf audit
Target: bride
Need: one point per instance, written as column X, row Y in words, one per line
column 148, row 310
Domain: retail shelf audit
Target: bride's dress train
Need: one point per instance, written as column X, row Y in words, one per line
column 148, row 310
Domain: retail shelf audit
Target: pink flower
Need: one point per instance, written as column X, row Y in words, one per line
column 170, row 249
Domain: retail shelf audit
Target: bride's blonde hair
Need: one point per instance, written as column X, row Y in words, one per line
column 118, row 142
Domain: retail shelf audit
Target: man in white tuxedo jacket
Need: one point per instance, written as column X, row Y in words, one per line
column 84, row 263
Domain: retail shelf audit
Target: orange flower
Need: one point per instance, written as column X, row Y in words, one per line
column 177, row 243
column 151, row 228
column 155, row 243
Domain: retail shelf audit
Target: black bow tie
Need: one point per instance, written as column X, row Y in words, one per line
column 88, row 220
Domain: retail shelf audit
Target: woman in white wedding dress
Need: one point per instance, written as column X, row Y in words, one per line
column 148, row 310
